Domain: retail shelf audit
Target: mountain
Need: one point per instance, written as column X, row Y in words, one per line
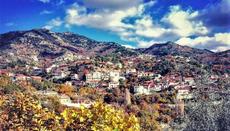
column 171, row 48
column 219, row 58
column 41, row 43
column 224, row 53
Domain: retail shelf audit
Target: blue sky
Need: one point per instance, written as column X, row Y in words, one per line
column 132, row 23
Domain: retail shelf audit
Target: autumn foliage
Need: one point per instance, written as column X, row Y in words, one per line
column 21, row 111
column 65, row 89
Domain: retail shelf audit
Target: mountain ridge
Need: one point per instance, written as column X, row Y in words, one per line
column 66, row 34
column 171, row 48
column 43, row 43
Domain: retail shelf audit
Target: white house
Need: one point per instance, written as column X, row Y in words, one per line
column 67, row 57
column 189, row 80
column 37, row 71
column 113, row 84
column 157, row 77
column 114, row 76
column 47, row 93
column 156, row 88
column 93, row 77
column 21, row 77
column 184, row 93
column 64, row 99
column 60, row 74
column 130, row 70
column 74, row 77
column 105, row 76
column 145, row 74
column 141, row 90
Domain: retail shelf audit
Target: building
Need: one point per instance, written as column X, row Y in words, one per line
column 74, row 77
column 130, row 71
column 183, row 92
column 93, row 77
column 64, row 99
column 157, row 77
column 113, row 84
column 60, row 74
column 37, row 71
column 141, row 90
column 145, row 74
column 6, row 72
column 36, row 78
column 47, row 93
column 114, row 76
column 20, row 77
column 189, row 80
column 77, row 102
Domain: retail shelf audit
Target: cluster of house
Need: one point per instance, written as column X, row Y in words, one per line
column 70, row 57
column 112, row 77
column 109, row 75
column 160, row 83
column 19, row 77
column 66, row 100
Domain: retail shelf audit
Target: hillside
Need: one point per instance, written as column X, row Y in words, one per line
column 219, row 58
column 171, row 48
column 39, row 44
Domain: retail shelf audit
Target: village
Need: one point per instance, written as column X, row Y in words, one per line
column 106, row 74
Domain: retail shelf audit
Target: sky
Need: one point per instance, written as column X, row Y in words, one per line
column 203, row 24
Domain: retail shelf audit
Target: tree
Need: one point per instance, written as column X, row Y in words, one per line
column 7, row 86
column 24, row 112
column 164, row 67
column 65, row 89
column 99, row 117
column 205, row 115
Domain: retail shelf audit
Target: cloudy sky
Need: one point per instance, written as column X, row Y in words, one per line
column 132, row 23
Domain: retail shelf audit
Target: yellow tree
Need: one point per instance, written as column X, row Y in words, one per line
column 100, row 117
column 66, row 89
column 23, row 112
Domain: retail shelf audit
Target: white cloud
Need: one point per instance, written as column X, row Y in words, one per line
column 45, row 12
column 223, row 38
column 128, row 46
column 145, row 30
column 110, row 17
column 144, row 27
column 111, row 20
column 54, row 23
column 218, row 42
column 182, row 22
column 44, row 1
column 146, row 44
